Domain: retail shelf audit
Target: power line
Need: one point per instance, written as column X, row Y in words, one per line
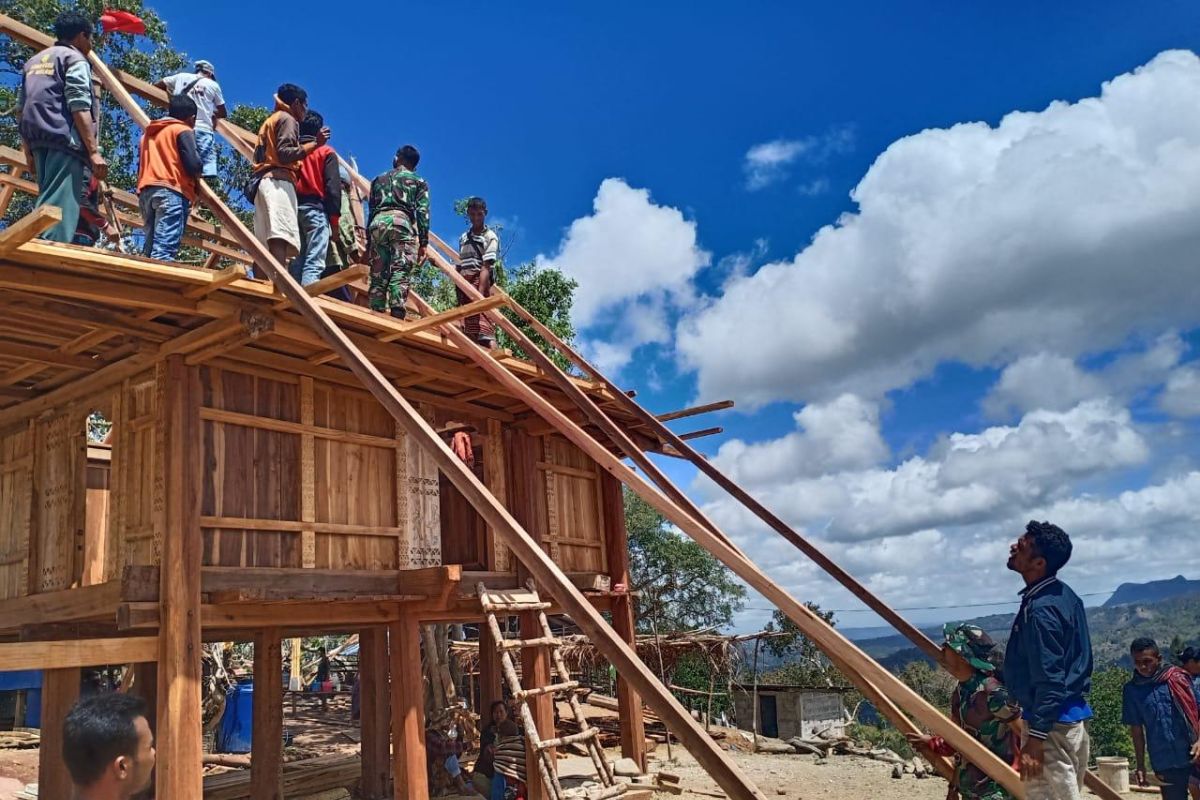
column 931, row 608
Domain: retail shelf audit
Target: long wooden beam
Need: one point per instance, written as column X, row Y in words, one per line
column 27, row 227
column 72, row 653
column 543, row 569
column 720, row 405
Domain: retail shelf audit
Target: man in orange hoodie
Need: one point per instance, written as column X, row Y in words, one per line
column 168, row 169
column 277, row 161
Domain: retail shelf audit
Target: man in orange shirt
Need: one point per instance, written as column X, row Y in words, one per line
column 277, row 162
column 168, row 170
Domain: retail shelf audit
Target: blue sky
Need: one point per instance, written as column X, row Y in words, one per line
column 679, row 159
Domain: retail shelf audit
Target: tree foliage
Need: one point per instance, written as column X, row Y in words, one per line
column 150, row 57
column 804, row 663
column 932, row 683
column 1109, row 736
column 680, row 586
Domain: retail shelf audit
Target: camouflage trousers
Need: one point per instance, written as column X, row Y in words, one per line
column 392, row 253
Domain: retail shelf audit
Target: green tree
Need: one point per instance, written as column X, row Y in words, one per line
column 679, row 585
column 933, row 684
column 804, row 663
column 1109, row 736
column 150, row 57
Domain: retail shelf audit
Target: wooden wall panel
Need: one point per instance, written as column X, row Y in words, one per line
column 16, row 506
column 60, row 490
column 252, row 474
column 95, row 534
column 131, row 520
column 464, row 534
column 418, row 506
column 573, row 508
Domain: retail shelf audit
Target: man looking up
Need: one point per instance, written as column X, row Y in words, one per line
column 108, row 747
column 319, row 198
column 1048, row 666
column 57, row 114
column 1160, row 706
column 398, row 231
column 203, row 88
column 277, row 160
column 168, row 167
column 478, row 249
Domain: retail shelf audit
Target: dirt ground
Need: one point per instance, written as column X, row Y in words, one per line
column 317, row 732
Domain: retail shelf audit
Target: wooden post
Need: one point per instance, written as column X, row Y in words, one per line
column 535, row 671
column 266, row 737
column 145, row 686
column 409, row 774
column 374, row 709
column 60, row 690
column 490, row 689
column 177, row 441
column 616, row 543
column 754, row 698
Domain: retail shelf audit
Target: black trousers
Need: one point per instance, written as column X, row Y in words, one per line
column 1175, row 783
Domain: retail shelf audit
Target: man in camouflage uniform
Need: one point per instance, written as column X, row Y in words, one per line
column 981, row 706
column 398, row 231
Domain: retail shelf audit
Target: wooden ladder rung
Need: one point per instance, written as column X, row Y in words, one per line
column 573, row 738
column 491, row 606
column 537, row 691
column 517, row 644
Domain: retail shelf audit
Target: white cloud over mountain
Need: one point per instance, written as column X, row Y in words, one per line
column 1061, row 231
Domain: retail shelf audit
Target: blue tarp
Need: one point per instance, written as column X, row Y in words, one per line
column 21, row 679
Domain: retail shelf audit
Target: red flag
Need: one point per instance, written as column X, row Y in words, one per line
column 114, row 21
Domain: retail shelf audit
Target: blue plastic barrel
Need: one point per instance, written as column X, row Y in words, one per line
column 233, row 736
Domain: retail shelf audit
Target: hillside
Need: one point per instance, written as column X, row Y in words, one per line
column 1112, row 629
column 1152, row 592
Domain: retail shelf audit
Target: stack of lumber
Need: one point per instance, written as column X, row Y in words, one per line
column 299, row 777
column 19, row 738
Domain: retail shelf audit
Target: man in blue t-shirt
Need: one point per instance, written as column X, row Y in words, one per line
column 1159, row 704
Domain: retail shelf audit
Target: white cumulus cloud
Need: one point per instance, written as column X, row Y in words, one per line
column 1181, row 397
column 634, row 261
column 768, row 162
column 1059, row 231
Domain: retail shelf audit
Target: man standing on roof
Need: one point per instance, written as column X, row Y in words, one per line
column 277, row 162
column 203, row 88
column 319, row 199
column 168, row 169
column 57, row 113
column 348, row 239
column 1048, row 667
column 478, row 249
column 398, row 231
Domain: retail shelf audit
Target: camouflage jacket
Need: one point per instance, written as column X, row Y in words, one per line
column 404, row 197
column 982, row 706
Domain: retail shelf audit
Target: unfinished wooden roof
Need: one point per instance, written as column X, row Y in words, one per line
column 77, row 319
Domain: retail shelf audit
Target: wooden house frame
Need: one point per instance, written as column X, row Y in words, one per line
column 243, row 411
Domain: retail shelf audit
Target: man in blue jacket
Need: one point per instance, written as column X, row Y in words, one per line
column 1161, row 706
column 1048, row 667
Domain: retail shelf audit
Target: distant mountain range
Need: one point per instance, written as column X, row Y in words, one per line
column 1152, row 592
column 1163, row 610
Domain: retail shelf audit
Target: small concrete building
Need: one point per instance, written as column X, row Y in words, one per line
column 785, row 711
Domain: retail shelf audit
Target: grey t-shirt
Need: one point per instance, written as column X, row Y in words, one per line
column 206, row 93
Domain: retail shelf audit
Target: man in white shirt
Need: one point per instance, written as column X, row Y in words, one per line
column 202, row 87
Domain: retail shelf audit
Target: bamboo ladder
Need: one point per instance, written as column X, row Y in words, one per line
column 588, row 736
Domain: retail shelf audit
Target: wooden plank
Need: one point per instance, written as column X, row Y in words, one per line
column 320, row 614
column 27, row 227
column 73, row 653
column 45, row 356
column 308, row 476
column 720, row 405
column 267, row 729
column 700, row 434
column 408, row 711
column 276, row 583
column 535, row 672
column 544, row 570
column 219, row 280
column 88, row 602
column 495, row 473
column 179, row 745
column 616, row 543
column 60, row 690
column 374, row 703
column 302, row 428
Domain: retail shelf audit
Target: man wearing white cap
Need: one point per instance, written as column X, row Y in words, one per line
column 202, row 87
